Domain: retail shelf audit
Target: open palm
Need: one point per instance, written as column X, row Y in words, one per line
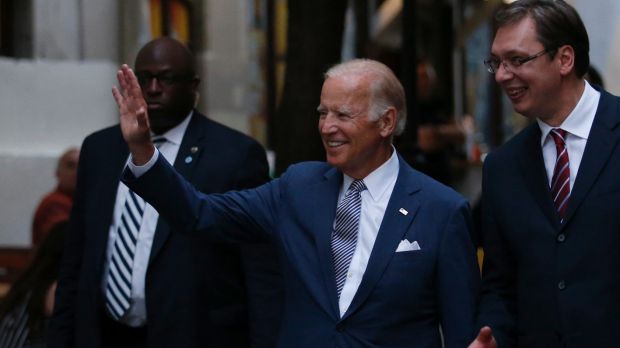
column 132, row 107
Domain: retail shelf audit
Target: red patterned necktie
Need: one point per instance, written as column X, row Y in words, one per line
column 560, row 183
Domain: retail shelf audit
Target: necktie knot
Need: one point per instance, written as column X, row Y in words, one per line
column 357, row 186
column 558, row 135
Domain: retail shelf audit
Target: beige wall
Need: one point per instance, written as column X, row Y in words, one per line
column 47, row 106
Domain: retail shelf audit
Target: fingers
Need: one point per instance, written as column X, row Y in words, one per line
column 117, row 96
column 486, row 334
column 142, row 118
column 129, row 82
column 126, row 78
column 129, row 92
column 485, row 339
column 123, row 79
column 132, row 81
column 133, row 113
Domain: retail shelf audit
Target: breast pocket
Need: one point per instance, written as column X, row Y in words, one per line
column 408, row 275
column 407, row 265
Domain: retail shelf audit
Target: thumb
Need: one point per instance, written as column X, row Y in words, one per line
column 485, row 335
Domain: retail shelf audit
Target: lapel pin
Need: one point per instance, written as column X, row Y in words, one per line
column 194, row 149
column 188, row 159
column 403, row 211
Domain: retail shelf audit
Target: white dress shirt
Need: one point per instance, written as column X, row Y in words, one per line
column 379, row 184
column 577, row 125
column 136, row 315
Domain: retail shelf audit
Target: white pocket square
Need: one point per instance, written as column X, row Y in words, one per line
column 405, row 245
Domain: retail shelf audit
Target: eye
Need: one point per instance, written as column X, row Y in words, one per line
column 167, row 79
column 142, row 78
column 343, row 115
column 494, row 62
column 517, row 60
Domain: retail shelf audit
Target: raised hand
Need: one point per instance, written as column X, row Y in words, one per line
column 485, row 339
column 134, row 120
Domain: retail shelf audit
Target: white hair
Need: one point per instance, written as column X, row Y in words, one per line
column 385, row 88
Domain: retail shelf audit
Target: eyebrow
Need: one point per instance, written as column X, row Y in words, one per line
column 159, row 72
column 510, row 53
column 345, row 109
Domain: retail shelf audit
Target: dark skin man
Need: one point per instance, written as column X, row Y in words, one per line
column 182, row 289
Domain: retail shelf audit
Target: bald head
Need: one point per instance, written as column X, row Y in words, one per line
column 165, row 70
column 168, row 50
column 66, row 170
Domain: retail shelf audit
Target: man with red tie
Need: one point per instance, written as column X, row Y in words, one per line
column 550, row 195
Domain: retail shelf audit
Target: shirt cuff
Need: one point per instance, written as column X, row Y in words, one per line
column 138, row 171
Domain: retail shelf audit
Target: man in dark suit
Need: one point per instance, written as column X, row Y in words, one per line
column 161, row 288
column 550, row 195
column 377, row 254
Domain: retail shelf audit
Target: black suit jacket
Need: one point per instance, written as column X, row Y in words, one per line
column 198, row 293
column 547, row 284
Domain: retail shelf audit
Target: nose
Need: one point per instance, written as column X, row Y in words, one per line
column 152, row 86
column 327, row 124
column 503, row 73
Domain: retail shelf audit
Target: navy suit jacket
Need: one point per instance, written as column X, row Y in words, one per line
column 547, row 284
column 404, row 297
column 198, row 293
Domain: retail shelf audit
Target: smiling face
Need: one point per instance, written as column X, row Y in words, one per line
column 164, row 68
column 353, row 142
column 534, row 88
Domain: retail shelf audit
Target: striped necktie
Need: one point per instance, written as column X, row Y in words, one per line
column 560, row 183
column 344, row 236
column 120, row 268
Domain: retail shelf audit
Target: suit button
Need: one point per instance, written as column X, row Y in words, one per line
column 561, row 237
column 562, row 285
column 340, row 328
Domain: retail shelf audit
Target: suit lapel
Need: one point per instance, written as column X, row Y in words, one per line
column 192, row 146
column 393, row 228
column 110, row 170
column 600, row 145
column 325, row 197
column 187, row 159
column 535, row 175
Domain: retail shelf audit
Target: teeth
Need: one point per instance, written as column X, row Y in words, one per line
column 334, row 143
column 512, row 92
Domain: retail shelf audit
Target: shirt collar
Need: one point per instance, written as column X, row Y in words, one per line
column 175, row 134
column 378, row 181
column 579, row 121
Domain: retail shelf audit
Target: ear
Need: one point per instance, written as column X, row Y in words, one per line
column 566, row 57
column 387, row 122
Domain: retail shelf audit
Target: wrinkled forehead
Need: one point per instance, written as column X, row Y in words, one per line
column 345, row 93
